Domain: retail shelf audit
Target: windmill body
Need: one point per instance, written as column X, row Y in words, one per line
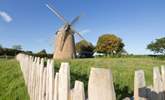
column 64, row 44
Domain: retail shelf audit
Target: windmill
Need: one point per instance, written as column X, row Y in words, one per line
column 65, row 42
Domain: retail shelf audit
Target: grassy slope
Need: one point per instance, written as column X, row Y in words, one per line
column 12, row 85
column 122, row 69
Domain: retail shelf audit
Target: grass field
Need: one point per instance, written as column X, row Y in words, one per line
column 12, row 85
column 122, row 69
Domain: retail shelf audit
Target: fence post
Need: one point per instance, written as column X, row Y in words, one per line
column 37, row 78
column 41, row 71
column 163, row 75
column 158, row 84
column 56, row 84
column 47, row 84
column 78, row 91
column 100, row 86
column 44, row 84
column 50, row 67
column 139, row 85
column 64, row 82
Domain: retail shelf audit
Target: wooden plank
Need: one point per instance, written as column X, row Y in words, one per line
column 64, row 82
column 37, row 78
column 163, row 73
column 100, row 86
column 44, row 84
column 163, row 80
column 56, row 84
column 50, row 67
column 47, row 84
column 78, row 91
column 41, row 71
column 139, row 86
column 158, row 84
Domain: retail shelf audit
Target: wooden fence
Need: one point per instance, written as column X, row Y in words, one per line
column 153, row 92
column 44, row 84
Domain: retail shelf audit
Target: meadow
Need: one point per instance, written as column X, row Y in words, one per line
column 122, row 68
column 12, row 85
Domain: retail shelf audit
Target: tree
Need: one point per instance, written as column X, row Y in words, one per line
column 1, row 46
column 123, row 52
column 109, row 44
column 17, row 47
column 157, row 46
column 84, row 48
column 1, row 50
column 42, row 52
column 28, row 52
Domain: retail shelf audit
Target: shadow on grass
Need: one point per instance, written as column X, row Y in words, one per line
column 121, row 92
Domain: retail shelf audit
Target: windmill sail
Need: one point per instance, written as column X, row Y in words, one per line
column 75, row 20
column 56, row 13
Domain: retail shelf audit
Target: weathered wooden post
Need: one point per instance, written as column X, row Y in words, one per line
column 139, row 85
column 44, row 84
column 47, row 84
column 56, row 84
column 41, row 70
column 158, row 84
column 50, row 67
column 37, row 78
column 163, row 80
column 30, row 75
column 100, row 86
column 78, row 91
column 163, row 75
column 64, row 82
column 34, row 79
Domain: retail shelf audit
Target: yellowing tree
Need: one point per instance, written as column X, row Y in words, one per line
column 109, row 44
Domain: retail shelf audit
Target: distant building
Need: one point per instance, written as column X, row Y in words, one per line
column 84, row 54
column 96, row 54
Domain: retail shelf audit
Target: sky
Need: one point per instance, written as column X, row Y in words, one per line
column 32, row 25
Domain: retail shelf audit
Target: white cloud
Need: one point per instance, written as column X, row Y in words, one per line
column 6, row 17
column 85, row 31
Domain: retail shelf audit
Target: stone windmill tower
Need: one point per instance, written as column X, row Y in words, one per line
column 64, row 42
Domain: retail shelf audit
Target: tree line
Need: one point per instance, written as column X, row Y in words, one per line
column 15, row 49
column 10, row 51
column 110, row 45
column 107, row 45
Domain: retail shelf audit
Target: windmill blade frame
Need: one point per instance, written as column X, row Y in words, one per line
column 74, row 31
column 80, row 36
column 75, row 20
column 55, row 11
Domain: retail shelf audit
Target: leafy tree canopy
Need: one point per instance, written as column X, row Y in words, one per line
column 17, row 47
column 42, row 52
column 84, row 46
column 109, row 44
column 0, row 46
column 158, row 46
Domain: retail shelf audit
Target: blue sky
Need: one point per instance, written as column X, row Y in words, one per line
column 32, row 25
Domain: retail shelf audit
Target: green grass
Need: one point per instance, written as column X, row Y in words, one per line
column 12, row 86
column 122, row 69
